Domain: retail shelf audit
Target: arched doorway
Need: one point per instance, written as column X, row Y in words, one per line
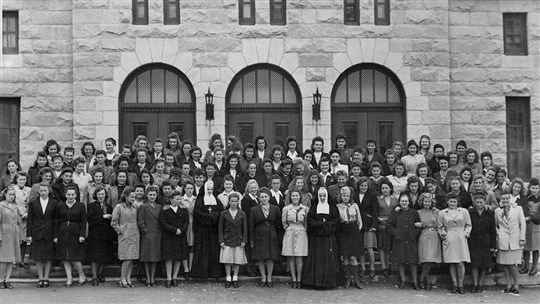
column 156, row 99
column 264, row 99
column 368, row 101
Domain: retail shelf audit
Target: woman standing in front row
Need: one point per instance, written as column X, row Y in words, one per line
column 454, row 229
column 124, row 222
column 295, row 239
column 40, row 232
column 264, row 221
column 350, row 239
column 322, row 264
column 70, row 228
column 148, row 220
column 232, row 235
column 511, row 226
column 429, row 243
column 10, row 251
column 174, row 246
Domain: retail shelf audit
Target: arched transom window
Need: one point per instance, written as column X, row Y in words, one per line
column 158, row 85
column 263, row 85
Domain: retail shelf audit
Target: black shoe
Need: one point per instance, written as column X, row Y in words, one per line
column 235, row 284
column 474, row 289
column 124, row 285
column 479, row 288
column 524, row 270
column 2, row 285
column 82, row 282
column 429, row 286
column 454, row 289
column 533, row 271
column 270, row 284
column 101, row 279
column 95, row 282
column 8, row 285
column 227, row 284
column 68, row 285
column 39, row 284
column 372, row 274
column 186, row 275
column 262, row 284
column 168, row 284
column 415, row 286
column 422, row 285
column 514, row 290
column 174, row 283
column 45, row 283
column 460, row 290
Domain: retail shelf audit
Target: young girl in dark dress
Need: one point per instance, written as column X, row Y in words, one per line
column 206, row 215
column 322, row 264
column 70, row 228
column 482, row 240
column 174, row 246
column 148, row 220
column 101, row 235
column 369, row 211
column 405, row 227
column 264, row 221
column 349, row 237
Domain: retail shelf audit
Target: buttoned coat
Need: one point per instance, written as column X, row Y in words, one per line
column 149, row 226
column 510, row 230
column 233, row 232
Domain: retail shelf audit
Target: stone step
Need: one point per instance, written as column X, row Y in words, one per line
column 440, row 275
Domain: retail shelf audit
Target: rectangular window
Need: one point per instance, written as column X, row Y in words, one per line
column 10, row 32
column 515, row 34
column 9, row 130
column 171, row 11
column 278, row 12
column 518, row 137
column 140, row 11
column 386, row 134
column 282, row 131
column 245, row 131
column 246, row 12
column 352, row 12
column 382, row 12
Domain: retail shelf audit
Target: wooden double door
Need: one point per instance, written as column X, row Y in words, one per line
column 157, row 124
column 362, row 124
column 274, row 126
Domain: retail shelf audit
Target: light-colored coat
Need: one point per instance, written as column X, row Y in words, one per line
column 510, row 230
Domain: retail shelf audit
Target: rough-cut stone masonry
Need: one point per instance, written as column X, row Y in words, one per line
column 74, row 56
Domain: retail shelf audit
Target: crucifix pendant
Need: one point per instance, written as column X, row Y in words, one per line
column 209, row 209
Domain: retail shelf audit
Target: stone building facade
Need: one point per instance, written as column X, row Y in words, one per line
column 75, row 55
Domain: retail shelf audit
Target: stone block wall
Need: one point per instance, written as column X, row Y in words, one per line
column 76, row 54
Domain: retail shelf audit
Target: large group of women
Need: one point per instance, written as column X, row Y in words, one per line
column 322, row 216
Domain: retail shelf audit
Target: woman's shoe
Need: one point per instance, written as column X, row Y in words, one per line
column 422, row 285
column 174, row 283
column 123, row 285
column 227, row 284
column 39, row 284
column 68, row 285
column 401, row 285
column 460, row 290
column 235, row 284
column 479, row 288
column 415, row 286
column 168, row 284
column 95, row 282
column 131, row 285
column 533, row 271
column 429, row 286
column 507, row 290
column 2, row 285
column 372, row 274
column 270, row 284
column 454, row 289
column 474, row 289
column 386, row 272
column 101, row 279
column 8, row 285
column 262, row 284
column 186, row 275
column 514, row 290
column 82, row 282
column 524, row 270
column 45, row 283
